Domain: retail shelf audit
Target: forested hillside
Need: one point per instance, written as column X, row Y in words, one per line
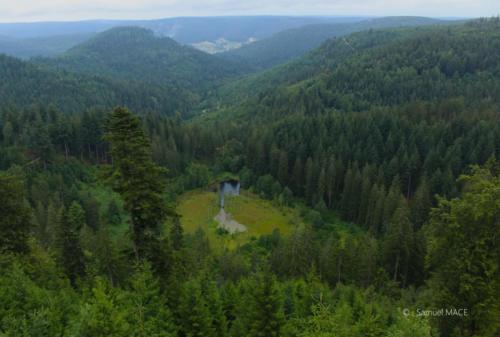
column 289, row 44
column 122, row 66
column 397, row 115
column 25, row 84
column 372, row 160
column 133, row 53
column 321, row 60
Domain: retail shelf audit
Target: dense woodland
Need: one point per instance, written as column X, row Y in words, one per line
column 385, row 141
column 289, row 44
column 26, row 84
column 133, row 53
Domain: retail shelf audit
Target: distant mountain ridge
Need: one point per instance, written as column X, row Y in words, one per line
column 26, row 48
column 47, row 39
column 183, row 29
column 289, row 44
column 133, row 53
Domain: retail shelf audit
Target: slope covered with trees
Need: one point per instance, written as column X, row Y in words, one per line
column 132, row 53
column 396, row 191
column 289, row 44
column 321, row 60
column 24, row 84
column 71, row 274
column 401, row 116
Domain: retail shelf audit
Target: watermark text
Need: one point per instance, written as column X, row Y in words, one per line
column 441, row 312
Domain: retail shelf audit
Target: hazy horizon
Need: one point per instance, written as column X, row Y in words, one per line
column 104, row 19
column 25, row 11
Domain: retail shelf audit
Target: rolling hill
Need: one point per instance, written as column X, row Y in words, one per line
column 320, row 60
column 292, row 43
column 24, row 84
column 385, row 67
column 432, row 65
column 132, row 53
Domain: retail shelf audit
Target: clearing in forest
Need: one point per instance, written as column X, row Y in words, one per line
column 199, row 209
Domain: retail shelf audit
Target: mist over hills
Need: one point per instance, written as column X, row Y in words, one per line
column 183, row 29
column 49, row 38
column 27, row 40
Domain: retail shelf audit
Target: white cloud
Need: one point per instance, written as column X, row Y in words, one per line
column 35, row 10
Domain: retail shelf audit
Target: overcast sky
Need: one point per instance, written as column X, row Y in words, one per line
column 43, row 10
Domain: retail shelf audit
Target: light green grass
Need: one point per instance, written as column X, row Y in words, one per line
column 198, row 209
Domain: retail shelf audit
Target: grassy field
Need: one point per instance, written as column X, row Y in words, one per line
column 198, row 209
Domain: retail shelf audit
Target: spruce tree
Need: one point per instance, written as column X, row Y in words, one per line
column 366, row 188
column 215, row 306
column 310, row 180
column 40, row 223
column 370, row 209
column 266, row 316
column 103, row 313
column 398, row 243
column 330, row 181
column 378, row 213
column 274, row 160
column 40, row 142
column 347, row 194
column 283, row 168
column 138, row 180
column 53, row 219
column 15, row 215
column 392, row 201
column 70, row 253
column 7, row 133
column 298, row 176
column 113, row 213
column 149, row 313
column 194, row 312
column 177, row 234
column 322, row 184
column 421, row 204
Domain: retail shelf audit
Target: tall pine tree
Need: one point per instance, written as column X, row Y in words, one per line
column 15, row 215
column 266, row 315
column 70, row 252
column 139, row 181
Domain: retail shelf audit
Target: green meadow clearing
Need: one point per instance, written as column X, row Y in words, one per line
column 198, row 209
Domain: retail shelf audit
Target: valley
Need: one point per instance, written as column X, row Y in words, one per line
column 324, row 180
